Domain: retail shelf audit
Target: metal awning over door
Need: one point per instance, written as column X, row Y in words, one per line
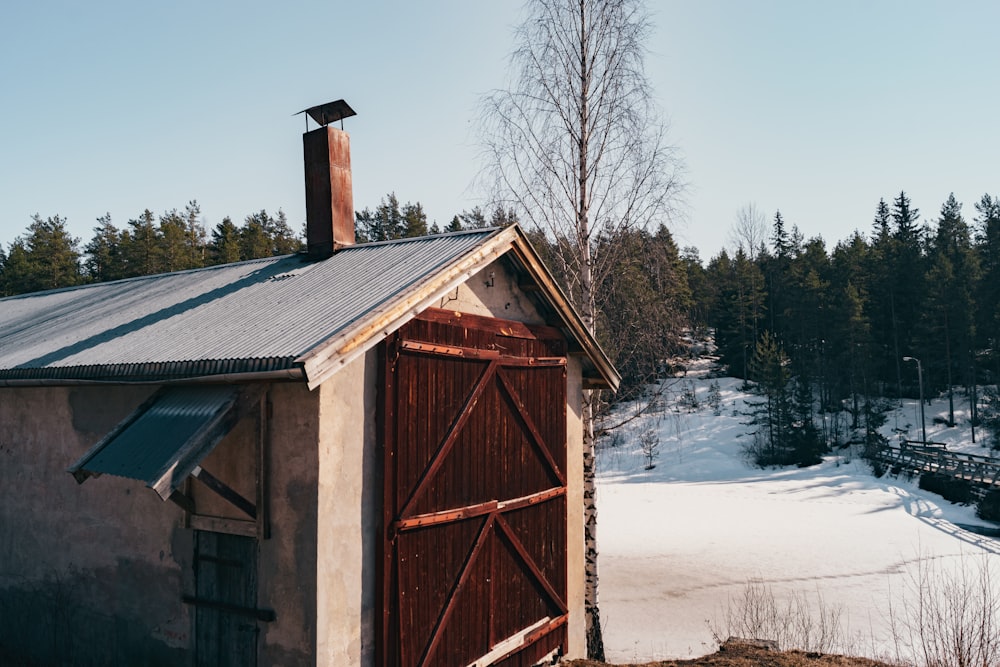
column 474, row 558
column 165, row 439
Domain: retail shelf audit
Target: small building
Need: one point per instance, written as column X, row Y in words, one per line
column 365, row 454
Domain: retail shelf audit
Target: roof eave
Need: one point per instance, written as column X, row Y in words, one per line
column 100, row 375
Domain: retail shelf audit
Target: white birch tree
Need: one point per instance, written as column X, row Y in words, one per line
column 576, row 147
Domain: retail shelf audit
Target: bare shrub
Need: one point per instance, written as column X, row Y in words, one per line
column 760, row 452
column 615, row 440
column 798, row 623
column 949, row 617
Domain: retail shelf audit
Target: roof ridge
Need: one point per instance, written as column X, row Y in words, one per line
column 484, row 231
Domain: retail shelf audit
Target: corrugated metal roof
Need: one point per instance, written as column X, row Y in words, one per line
column 162, row 442
column 249, row 316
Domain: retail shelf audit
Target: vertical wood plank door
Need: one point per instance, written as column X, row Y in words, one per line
column 474, row 551
column 225, row 580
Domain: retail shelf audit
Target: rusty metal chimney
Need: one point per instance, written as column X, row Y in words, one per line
column 329, row 196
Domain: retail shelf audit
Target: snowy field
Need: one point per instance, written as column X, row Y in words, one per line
column 679, row 543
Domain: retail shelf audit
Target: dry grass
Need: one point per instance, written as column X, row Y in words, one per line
column 801, row 622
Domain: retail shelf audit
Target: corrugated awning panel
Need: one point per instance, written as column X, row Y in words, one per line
column 164, row 439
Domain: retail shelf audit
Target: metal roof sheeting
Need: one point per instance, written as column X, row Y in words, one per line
column 250, row 316
column 162, row 441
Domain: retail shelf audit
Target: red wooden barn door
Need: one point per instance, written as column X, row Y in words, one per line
column 474, row 558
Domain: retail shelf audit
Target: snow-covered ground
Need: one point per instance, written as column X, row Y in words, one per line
column 679, row 543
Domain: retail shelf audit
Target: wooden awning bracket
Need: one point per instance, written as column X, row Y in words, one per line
column 182, row 500
column 225, row 491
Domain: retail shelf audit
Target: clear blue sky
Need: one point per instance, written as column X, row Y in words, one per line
column 814, row 108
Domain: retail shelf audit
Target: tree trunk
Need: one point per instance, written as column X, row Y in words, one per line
column 595, row 638
column 578, row 133
column 947, row 360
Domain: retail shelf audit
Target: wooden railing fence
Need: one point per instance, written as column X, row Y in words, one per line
column 982, row 471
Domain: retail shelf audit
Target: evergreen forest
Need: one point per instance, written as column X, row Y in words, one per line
column 812, row 328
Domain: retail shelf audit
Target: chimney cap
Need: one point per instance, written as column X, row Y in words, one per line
column 324, row 114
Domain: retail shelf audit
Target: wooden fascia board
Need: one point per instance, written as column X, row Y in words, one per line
column 325, row 359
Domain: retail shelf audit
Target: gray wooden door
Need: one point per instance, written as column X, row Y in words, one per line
column 226, row 582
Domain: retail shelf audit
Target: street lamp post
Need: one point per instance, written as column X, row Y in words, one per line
column 920, row 379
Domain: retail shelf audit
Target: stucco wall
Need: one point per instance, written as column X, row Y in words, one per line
column 574, row 508
column 95, row 573
column 287, row 565
column 493, row 292
column 92, row 573
column 349, row 495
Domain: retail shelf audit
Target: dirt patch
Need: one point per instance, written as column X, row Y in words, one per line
column 738, row 654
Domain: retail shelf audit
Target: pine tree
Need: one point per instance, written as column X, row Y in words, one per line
column 896, row 285
column 949, row 318
column 17, row 275
column 775, row 269
column 389, row 218
column 45, row 257
column 225, row 245
column 255, row 236
column 474, row 219
column 502, row 217
column 141, row 247
column 990, row 415
column 173, row 240
column 907, row 268
column 104, row 252
column 53, row 253
column 364, row 224
column 883, row 218
column 881, row 305
column 738, row 311
column 785, row 431
column 702, row 292
column 771, row 417
column 714, row 398
column 414, row 220
column 779, row 238
column 283, row 240
column 807, row 315
column 647, row 296
column 849, row 344
column 988, row 292
column 807, row 443
column 195, row 236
